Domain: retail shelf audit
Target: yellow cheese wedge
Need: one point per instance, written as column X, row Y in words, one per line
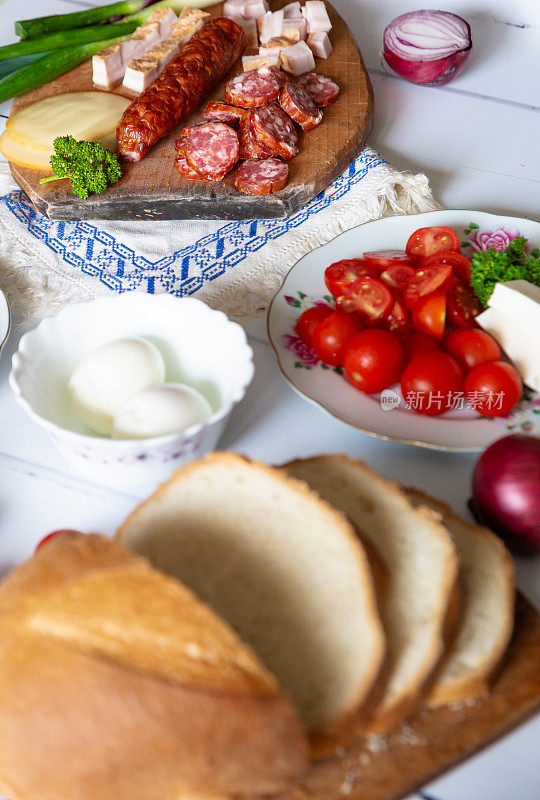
column 23, row 155
column 85, row 115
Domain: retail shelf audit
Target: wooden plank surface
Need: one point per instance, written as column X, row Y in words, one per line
column 152, row 188
column 388, row 768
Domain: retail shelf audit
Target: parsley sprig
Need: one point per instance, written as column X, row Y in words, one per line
column 89, row 166
column 491, row 267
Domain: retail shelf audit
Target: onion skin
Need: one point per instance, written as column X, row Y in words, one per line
column 429, row 73
column 506, row 491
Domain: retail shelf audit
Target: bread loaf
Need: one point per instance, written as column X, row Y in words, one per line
column 284, row 569
column 422, row 566
column 487, row 612
column 119, row 684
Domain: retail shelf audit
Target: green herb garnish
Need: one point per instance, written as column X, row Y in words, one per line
column 491, row 267
column 89, row 166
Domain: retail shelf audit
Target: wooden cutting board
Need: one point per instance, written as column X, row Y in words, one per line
column 152, row 189
column 435, row 739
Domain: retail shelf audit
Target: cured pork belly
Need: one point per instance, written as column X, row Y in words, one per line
column 109, row 66
column 297, row 59
column 141, row 72
column 316, row 16
column 319, row 44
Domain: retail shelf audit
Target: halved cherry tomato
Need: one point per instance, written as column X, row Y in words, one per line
column 308, row 320
column 463, row 306
column 331, row 336
column 431, row 383
column 373, row 360
column 369, row 297
column 426, row 241
column 493, row 388
column 429, row 314
column 397, row 276
column 382, row 259
column 471, row 347
column 461, row 266
column 53, row 535
column 419, row 343
column 397, row 320
column 341, row 273
column 425, row 281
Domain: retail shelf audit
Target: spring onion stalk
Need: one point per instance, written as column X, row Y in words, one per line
column 49, row 67
column 40, row 26
column 56, row 41
column 16, row 63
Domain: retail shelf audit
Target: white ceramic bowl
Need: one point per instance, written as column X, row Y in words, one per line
column 5, row 321
column 201, row 347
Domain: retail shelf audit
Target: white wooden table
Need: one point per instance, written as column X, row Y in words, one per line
column 477, row 140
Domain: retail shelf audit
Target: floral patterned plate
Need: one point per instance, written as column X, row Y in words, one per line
column 386, row 415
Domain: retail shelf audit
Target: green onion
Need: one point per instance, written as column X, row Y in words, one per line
column 55, row 41
column 16, row 63
column 32, row 28
column 49, row 67
column 39, row 26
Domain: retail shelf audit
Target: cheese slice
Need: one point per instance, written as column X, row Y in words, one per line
column 513, row 319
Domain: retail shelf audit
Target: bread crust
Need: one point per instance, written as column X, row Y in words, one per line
column 79, row 723
column 390, row 714
column 476, row 682
column 338, row 731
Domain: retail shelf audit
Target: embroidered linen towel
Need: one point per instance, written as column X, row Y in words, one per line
column 235, row 266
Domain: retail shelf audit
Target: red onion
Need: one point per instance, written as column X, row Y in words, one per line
column 428, row 47
column 506, row 491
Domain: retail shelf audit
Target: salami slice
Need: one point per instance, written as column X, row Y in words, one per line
column 212, row 150
column 185, row 170
column 216, row 111
column 276, row 130
column 261, row 177
column 252, row 89
column 300, row 106
column 279, row 75
column 322, row 89
column 250, row 147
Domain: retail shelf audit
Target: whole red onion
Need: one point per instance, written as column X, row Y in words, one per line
column 428, row 47
column 506, row 491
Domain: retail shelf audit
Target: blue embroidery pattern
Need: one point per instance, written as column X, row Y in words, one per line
column 98, row 254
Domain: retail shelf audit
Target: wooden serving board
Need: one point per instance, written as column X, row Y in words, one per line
column 435, row 739
column 152, row 188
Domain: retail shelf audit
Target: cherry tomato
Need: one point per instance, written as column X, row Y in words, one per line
column 493, row 388
column 341, row 273
column 425, row 281
column 429, row 314
column 432, row 383
column 373, row 360
column 426, row 241
column 397, row 319
column 419, row 343
column 383, row 259
column 397, row 276
column 332, row 334
column 308, row 320
column 463, row 306
column 471, row 346
column 461, row 266
column 53, row 535
column 369, row 297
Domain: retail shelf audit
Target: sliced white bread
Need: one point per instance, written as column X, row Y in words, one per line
column 487, row 607
column 283, row 568
column 422, row 567
column 142, row 691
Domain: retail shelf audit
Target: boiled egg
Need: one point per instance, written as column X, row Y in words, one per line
column 107, row 377
column 160, row 410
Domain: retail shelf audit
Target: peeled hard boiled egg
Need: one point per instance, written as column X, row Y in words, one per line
column 106, row 378
column 160, row 410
